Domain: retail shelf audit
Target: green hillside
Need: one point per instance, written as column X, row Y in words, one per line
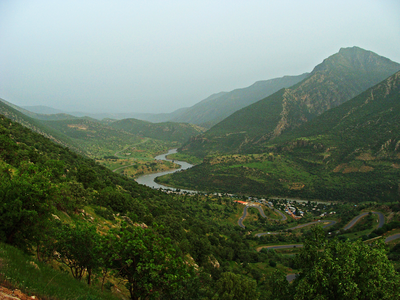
column 72, row 229
column 94, row 137
column 217, row 107
column 72, row 215
column 40, row 112
column 167, row 131
column 351, row 152
column 337, row 79
column 8, row 111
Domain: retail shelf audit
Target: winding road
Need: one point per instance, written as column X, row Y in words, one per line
column 358, row 218
column 240, row 222
column 349, row 225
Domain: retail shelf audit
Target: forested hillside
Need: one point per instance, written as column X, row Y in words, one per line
column 45, row 183
column 350, row 152
column 131, row 241
column 336, row 80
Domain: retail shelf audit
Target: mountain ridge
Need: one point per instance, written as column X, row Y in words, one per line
column 350, row 152
column 336, row 80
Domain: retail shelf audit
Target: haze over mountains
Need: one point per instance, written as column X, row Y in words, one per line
column 219, row 106
column 250, row 123
column 337, row 79
column 206, row 113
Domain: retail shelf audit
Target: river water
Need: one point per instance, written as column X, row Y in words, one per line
column 148, row 179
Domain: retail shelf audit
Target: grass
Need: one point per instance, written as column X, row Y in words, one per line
column 35, row 278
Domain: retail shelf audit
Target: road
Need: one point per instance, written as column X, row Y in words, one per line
column 358, row 218
column 280, row 247
column 240, row 222
column 331, row 222
column 392, row 237
column 387, row 240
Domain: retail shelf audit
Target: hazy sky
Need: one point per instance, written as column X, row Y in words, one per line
column 158, row 56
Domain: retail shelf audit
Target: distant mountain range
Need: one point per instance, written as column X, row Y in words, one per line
column 206, row 113
column 219, row 106
column 337, row 79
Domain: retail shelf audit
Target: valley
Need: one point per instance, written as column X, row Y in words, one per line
column 297, row 181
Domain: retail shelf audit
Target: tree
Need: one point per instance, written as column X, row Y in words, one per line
column 79, row 248
column 25, row 205
column 232, row 286
column 149, row 263
column 344, row 270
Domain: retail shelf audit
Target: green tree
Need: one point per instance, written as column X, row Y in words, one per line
column 25, row 205
column 233, row 286
column 79, row 248
column 344, row 270
column 149, row 263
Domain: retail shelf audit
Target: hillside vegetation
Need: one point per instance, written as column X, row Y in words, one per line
column 111, row 234
column 166, row 131
column 336, row 80
column 351, row 152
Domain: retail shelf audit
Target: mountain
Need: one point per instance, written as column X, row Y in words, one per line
column 167, row 131
column 368, row 126
column 206, row 113
column 351, row 152
column 337, row 79
column 218, row 106
column 40, row 112
column 48, row 113
column 15, row 115
column 83, row 135
column 93, row 137
column 43, row 110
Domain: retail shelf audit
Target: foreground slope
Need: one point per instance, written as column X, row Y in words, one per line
column 351, row 152
column 337, row 79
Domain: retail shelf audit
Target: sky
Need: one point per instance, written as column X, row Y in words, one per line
column 159, row 56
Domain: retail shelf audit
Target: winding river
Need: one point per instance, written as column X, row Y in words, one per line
column 148, row 179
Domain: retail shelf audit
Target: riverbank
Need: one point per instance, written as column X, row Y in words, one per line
column 149, row 179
